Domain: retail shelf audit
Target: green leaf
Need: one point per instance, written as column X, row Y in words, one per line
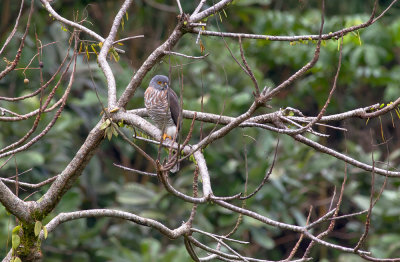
column 397, row 112
column 15, row 241
column 45, row 232
column 109, row 133
column 38, row 227
column 220, row 17
column 359, row 37
column 114, row 54
column 16, row 230
column 105, row 124
column 94, row 49
column 87, row 52
column 114, row 130
column 17, row 259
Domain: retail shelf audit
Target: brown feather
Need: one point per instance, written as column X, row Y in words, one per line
column 175, row 108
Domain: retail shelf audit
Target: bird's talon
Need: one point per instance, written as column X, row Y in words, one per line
column 165, row 136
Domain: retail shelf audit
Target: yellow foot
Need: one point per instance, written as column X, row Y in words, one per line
column 165, row 136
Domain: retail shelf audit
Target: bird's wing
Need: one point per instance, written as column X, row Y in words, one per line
column 175, row 107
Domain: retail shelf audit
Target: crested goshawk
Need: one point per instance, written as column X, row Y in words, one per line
column 163, row 107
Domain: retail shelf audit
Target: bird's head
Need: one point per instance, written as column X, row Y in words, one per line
column 159, row 82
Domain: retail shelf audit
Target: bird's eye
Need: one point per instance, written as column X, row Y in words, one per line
column 159, row 82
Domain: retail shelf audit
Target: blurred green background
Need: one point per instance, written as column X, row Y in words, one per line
column 302, row 177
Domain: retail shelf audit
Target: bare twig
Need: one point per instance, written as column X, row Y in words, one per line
column 42, row 87
column 135, row 170
column 186, row 56
column 127, row 38
column 102, row 58
column 12, row 33
column 29, row 185
column 14, row 63
column 196, row 17
column 371, row 205
column 267, row 174
column 248, row 69
column 178, row 2
column 52, row 122
column 199, row 6
column 323, row 110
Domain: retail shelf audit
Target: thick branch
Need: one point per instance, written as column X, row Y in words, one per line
column 14, row 205
column 102, row 58
column 72, row 171
column 64, row 217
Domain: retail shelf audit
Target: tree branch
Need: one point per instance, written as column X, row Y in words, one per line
column 102, row 58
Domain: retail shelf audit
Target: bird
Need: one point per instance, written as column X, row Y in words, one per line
column 163, row 107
